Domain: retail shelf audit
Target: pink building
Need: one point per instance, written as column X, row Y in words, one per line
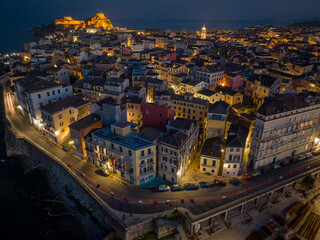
column 233, row 81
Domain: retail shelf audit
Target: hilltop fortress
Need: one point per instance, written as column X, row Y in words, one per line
column 98, row 21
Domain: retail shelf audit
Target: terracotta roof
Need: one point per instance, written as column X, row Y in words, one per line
column 175, row 139
column 282, row 104
column 85, row 122
column 72, row 101
column 212, row 147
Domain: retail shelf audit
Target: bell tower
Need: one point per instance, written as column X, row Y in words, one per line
column 203, row 32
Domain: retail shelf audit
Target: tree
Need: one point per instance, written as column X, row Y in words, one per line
column 308, row 182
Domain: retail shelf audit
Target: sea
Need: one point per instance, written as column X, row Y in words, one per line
column 14, row 34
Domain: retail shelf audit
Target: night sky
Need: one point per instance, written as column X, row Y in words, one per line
column 44, row 11
column 18, row 16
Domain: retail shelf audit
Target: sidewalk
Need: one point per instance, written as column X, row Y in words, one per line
column 193, row 174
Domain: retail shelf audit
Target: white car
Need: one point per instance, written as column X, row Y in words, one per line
column 164, row 188
column 309, row 155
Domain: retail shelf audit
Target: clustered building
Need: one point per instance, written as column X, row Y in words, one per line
column 143, row 103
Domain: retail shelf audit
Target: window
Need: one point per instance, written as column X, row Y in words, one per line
column 230, row 157
column 204, row 169
column 172, row 170
column 229, row 166
column 213, row 163
column 66, row 89
column 235, row 166
column 60, row 116
column 53, row 92
column 61, row 124
column 58, row 91
column 205, row 161
column 39, row 96
column 142, row 153
column 112, row 146
column 160, row 122
column 147, row 111
column 231, row 149
column 48, row 94
column 149, row 151
column 120, row 149
column 160, row 114
column 212, row 171
column 129, row 152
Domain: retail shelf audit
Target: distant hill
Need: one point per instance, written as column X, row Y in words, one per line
column 314, row 23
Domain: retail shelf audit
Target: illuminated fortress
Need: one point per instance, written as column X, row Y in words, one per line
column 98, row 21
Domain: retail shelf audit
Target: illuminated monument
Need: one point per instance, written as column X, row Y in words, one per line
column 203, row 32
column 98, row 21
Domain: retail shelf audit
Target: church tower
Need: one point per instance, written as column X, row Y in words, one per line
column 203, row 32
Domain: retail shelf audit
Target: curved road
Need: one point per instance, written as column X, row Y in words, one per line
column 125, row 198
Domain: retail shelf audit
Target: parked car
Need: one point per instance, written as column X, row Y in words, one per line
column 163, row 188
column 104, row 173
column 308, row 155
column 204, row 184
column 234, row 181
column 219, row 182
column 176, row 188
column 316, row 153
column 302, row 157
column 190, row 187
column 275, row 166
column 247, row 177
column 256, row 173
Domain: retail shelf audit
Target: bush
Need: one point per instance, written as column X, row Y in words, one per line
column 308, row 182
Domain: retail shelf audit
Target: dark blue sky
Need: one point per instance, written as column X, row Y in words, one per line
column 43, row 11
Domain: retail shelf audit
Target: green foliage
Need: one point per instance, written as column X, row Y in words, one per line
column 308, row 182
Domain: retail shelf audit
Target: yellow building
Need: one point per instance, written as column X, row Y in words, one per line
column 57, row 116
column 210, row 95
column 217, row 117
column 126, row 155
column 231, row 97
column 134, row 112
column 186, row 106
column 210, row 156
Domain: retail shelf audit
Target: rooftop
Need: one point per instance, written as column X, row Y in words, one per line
column 212, row 147
column 72, row 101
column 85, row 122
column 34, row 84
column 219, row 107
column 175, row 139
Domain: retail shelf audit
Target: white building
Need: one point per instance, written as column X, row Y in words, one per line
column 33, row 92
column 211, row 74
column 59, row 75
column 284, row 127
column 235, row 145
column 176, row 149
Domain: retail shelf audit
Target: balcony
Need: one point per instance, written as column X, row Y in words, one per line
column 147, row 156
column 115, row 151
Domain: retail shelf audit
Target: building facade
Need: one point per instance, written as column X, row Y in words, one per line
column 284, row 128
